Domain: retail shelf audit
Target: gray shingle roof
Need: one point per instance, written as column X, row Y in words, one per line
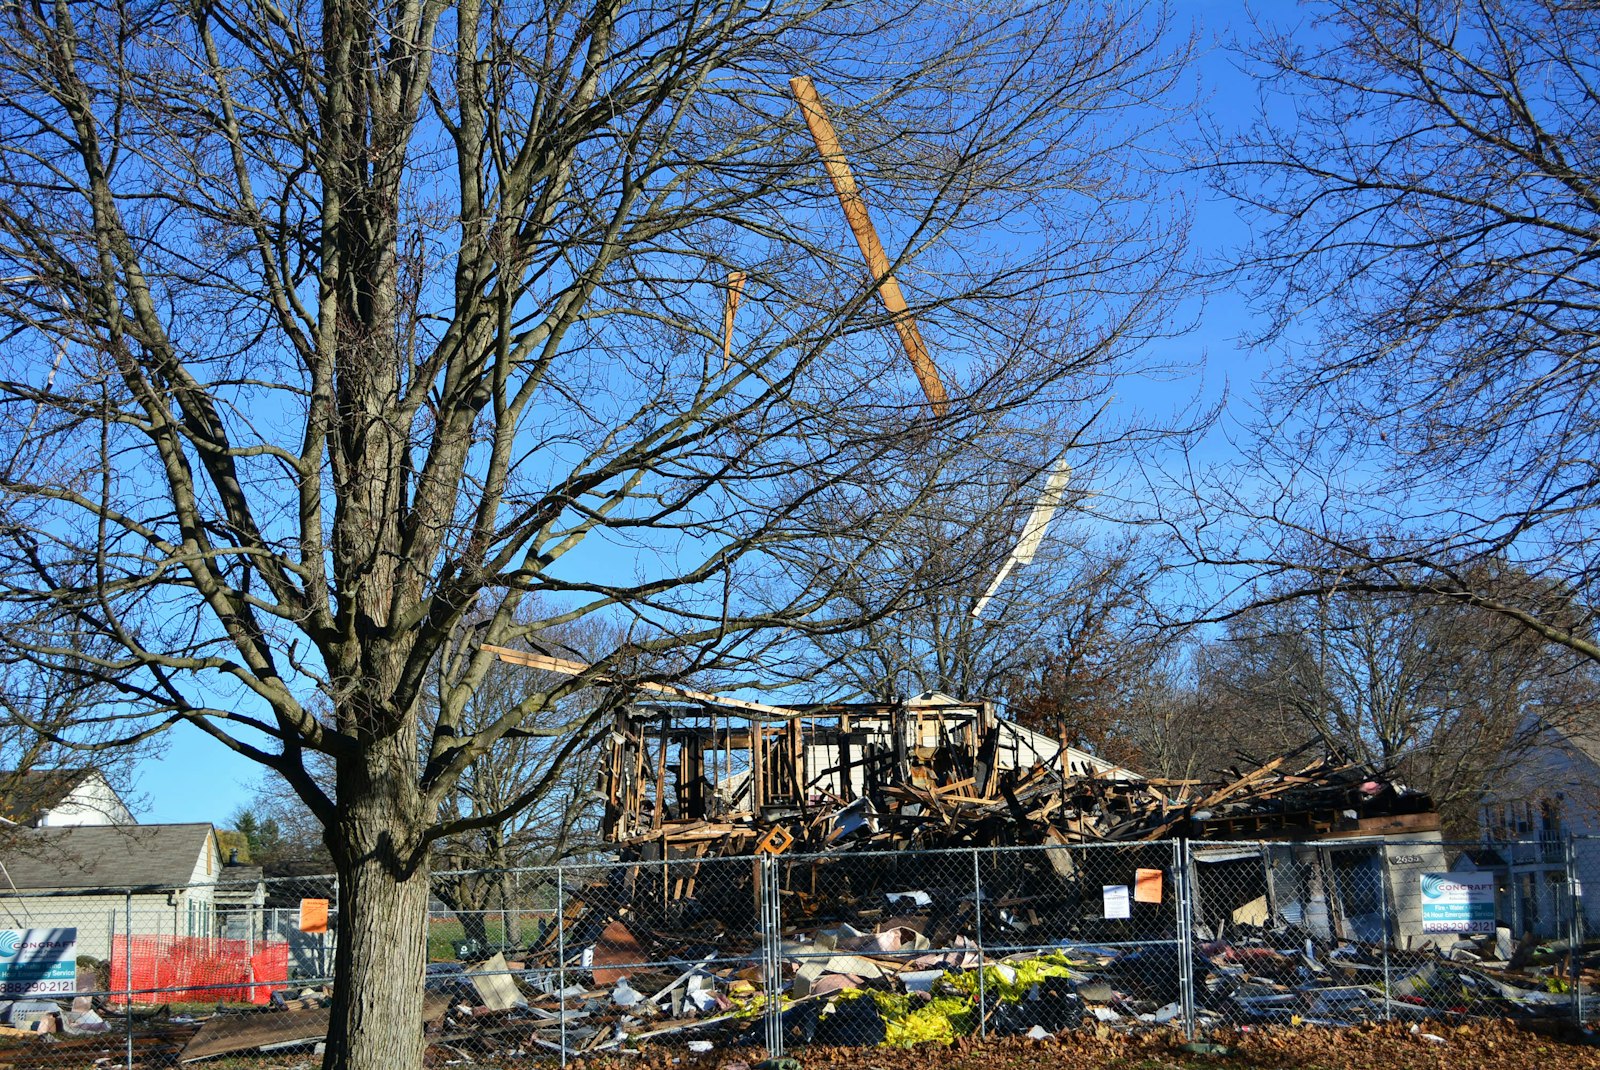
column 100, row 856
column 1584, row 738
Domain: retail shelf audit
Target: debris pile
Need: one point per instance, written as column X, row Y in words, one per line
column 1043, row 806
column 886, row 983
column 698, row 782
column 892, row 986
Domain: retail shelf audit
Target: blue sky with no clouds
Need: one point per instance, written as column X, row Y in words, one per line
column 197, row 779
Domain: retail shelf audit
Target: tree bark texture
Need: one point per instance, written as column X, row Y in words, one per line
column 382, row 925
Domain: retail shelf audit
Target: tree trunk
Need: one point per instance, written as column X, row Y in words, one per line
column 475, row 931
column 468, row 898
column 512, row 909
column 382, row 956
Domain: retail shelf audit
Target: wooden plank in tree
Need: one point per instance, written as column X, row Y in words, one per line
column 797, row 762
column 758, row 787
column 568, row 667
column 736, row 281
column 855, row 214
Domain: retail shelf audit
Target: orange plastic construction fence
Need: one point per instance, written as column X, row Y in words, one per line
column 197, row 969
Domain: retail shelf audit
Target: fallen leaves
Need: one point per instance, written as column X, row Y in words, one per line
column 1480, row 1046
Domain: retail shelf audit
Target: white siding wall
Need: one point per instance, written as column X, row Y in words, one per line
column 1552, row 766
column 1019, row 748
column 90, row 803
column 1023, row 748
column 206, row 863
column 97, row 917
column 1406, row 859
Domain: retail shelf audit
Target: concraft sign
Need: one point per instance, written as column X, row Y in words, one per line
column 1457, row 903
column 38, row 962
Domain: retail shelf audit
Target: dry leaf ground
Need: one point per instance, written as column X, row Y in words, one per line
column 1490, row 1046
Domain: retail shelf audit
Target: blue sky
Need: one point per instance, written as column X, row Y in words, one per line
column 198, row 779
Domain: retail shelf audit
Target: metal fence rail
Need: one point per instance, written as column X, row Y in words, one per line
column 843, row 948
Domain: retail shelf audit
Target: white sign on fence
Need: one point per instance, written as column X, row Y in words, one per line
column 1116, row 900
column 1458, row 902
column 38, row 962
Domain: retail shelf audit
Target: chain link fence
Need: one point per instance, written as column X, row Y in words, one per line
column 848, row 948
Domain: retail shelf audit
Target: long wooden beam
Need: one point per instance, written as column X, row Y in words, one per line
column 568, row 667
column 730, row 305
column 855, row 213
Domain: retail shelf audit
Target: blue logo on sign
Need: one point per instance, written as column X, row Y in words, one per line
column 1433, row 886
column 8, row 944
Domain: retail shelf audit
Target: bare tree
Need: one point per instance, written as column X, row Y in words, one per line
column 331, row 327
column 1093, row 651
column 1442, row 694
column 556, row 822
column 1062, row 645
column 1168, row 725
column 49, row 719
column 1425, row 185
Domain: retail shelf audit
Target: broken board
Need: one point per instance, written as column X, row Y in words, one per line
column 495, row 986
column 224, row 1034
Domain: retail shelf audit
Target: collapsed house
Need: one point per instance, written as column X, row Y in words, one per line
column 950, row 873
column 693, row 781
column 702, row 781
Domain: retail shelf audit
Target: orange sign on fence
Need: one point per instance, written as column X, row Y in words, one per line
column 313, row 915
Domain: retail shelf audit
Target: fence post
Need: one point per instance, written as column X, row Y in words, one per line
column 561, row 959
column 771, row 954
column 1574, row 927
column 776, row 1001
column 1185, row 907
column 983, row 968
column 127, row 971
column 1383, row 906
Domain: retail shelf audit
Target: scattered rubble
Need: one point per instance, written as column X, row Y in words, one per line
column 840, row 985
column 1063, row 920
column 888, row 984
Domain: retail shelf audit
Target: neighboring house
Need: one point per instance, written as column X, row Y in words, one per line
column 1549, row 795
column 60, row 877
column 241, row 899
column 53, row 798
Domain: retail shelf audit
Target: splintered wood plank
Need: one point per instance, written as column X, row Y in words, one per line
column 736, row 280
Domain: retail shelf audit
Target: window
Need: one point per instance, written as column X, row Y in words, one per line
column 1495, row 822
column 1550, row 815
column 1524, row 810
